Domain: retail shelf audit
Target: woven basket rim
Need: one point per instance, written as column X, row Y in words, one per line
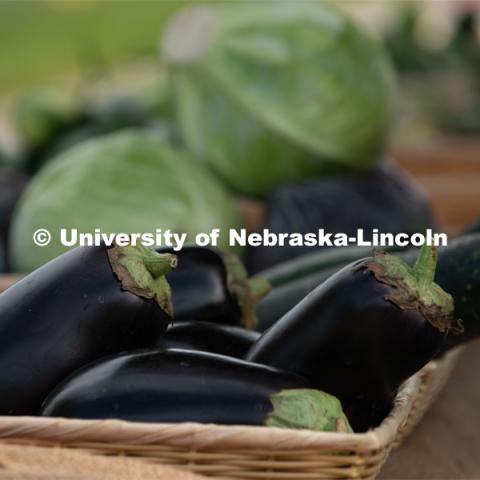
column 209, row 436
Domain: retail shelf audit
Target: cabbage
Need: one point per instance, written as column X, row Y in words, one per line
column 124, row 182
column 273, row 91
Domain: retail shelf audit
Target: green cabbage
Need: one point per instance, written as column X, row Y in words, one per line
column 124, row 182
column 272, row 91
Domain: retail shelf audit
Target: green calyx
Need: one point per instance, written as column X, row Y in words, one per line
column 142, row 271
column 307, row 409
column 414, row 288
column 247, row 291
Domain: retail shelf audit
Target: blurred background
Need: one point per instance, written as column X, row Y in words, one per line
column 73, row 70
column 280, row 114
column 433, row 44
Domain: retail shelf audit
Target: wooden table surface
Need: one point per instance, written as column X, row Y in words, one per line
column 446, row 444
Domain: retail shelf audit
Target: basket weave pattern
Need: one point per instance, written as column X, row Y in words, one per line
column 226, row 451
column 432, row 380
column 240, row 452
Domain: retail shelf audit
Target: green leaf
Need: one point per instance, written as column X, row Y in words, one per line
column 307, row 409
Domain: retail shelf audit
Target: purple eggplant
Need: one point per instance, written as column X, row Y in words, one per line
column 213, row 286
column 228, row 340
column 185, row 386
column 363, row 332
column 85, row 304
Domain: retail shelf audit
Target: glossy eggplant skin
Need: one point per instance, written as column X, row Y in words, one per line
column 284, row 297
column 294, row 279
column 200, row 289
column 67, row 313
column 347, row 340
column 227, row 340
column 171, row 386
column 458, row 273
column 312, row 263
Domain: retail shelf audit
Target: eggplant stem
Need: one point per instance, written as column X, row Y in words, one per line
column 414, row 288
column 239, row 285
column 159, row 264
column 142, row 272
column 424, row 269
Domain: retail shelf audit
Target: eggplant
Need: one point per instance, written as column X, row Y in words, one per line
column 384, row 198
column 362, row 333
column 294, row 279
column 283, row 298
column 314, row 263
column 83, row 305
column 213, row 286
column 228, row 340
column 458, row 272
column 186, row 386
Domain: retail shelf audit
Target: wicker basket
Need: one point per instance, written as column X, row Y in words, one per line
column 226, row 451
column 433, row 378
column 243, row 452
